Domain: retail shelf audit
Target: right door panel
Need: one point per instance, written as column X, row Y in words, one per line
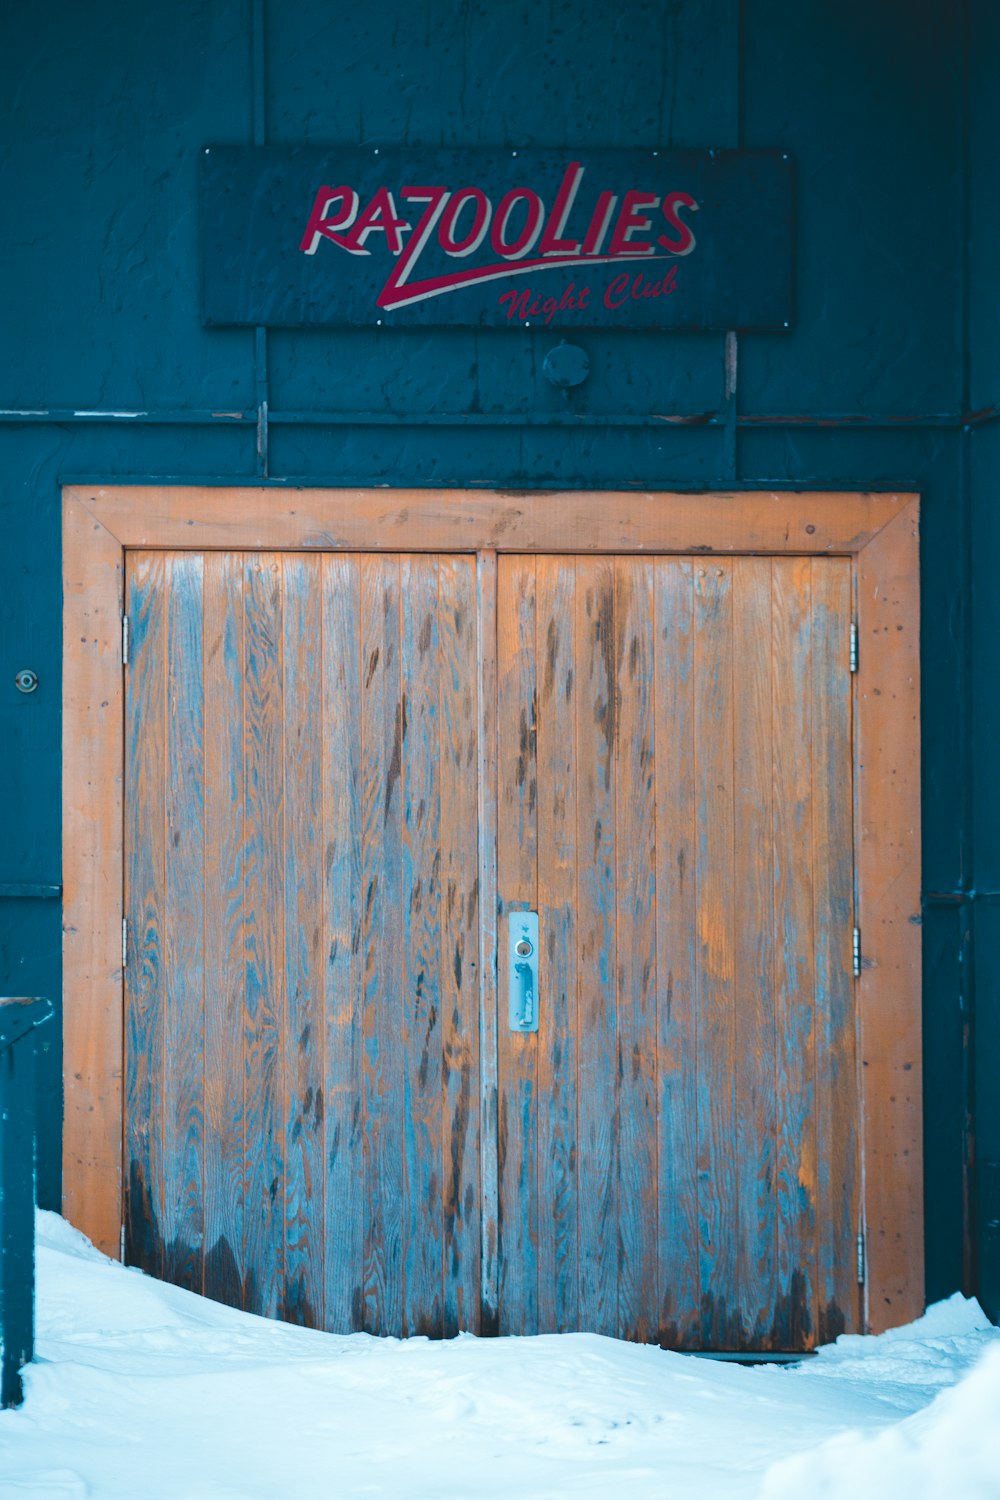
column 678, row 1142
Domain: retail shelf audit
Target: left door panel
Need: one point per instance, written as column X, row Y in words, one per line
column 301, row 991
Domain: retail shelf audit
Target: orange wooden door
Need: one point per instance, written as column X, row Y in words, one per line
column 677, row 1145
column 301, row 996
column 678, row 1142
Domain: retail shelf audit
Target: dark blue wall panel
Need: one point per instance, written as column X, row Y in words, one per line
column 105, row 109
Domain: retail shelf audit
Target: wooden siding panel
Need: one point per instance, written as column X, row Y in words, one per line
column 303, row 712
column 597, row 965
column 837, row 1095
column 145, row 882
column 489, row 1018
column 422, row 991
column 636, row 1005
column 676, row 957
column 755, row 855
column 888, row 837
column 183, row 929
column 558, row 1289
column 264, row 928
column 792, row 809
column 716, row 1066
column 381, row 853
column 517, row 890
column 225, row 940
column 343, row 1109
column 456, row 670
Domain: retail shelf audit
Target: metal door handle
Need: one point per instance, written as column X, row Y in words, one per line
column 523, row 970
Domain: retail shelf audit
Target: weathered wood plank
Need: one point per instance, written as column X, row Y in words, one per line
column 225, row 940
column 422, row 985
column 489, row 1020
column 93, row 749
column 145, row 885
column 676, row 956
column 638, row 1297
column 435, row 520
column 597, row 1043
column 459, row 953
column 888, row 839
column 717, row 1184
column 792, row 837
column 837, row 1093
column 264, row 1017
column 184, row 928
column 303, row 712
column 343, row 1225
column 517, row 885
column 754, row 951
column 558, row 1275
column 381, row 852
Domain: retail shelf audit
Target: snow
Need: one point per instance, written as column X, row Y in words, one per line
column 142, row 1390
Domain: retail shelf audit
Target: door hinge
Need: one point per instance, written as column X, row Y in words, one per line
column 124, row 640
column 121, row 1246
column 861, row 1257
column 124, row 942
column 854, row 646
column 856, row 952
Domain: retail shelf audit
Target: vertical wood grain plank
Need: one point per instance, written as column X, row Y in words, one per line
column 558, row 1277
column 756, row 1106
column 459, row 770
column 888, row 845
column 302, row 653
column 145, row 892
column 422, row 992
column 837, row 1098
column 343, row 1109
column 489, row 1018
column 676, row 956
column 225, row 940
column 716, row 1065
column 638, row 1299
column 94, row 877
column 517, row 889
column 264, row 1114
column 381, row 802
column 595, row 731
column 184, row 919
column 795, row 1159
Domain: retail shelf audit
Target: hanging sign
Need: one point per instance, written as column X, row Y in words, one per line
column 299, row 237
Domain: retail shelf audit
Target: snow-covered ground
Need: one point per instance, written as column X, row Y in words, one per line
column 145, row 1391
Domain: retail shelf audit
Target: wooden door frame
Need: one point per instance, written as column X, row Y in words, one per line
column 879, row 531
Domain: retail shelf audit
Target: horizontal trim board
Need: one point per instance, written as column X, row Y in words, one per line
column 18, row 890
column 585, row 420
column 499, row 520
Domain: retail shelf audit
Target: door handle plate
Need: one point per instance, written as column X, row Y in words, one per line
column 522, row 970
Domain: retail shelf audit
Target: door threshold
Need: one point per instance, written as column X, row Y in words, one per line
column 736, row 1358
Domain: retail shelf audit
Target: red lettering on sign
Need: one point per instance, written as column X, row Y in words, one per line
column 637, row 288
column 551, row 243
column 379, row 215
column 450, row 243
column 320, row 225
column 685, row 241
column 630, row 222
column 600, row 219
column 521, row 243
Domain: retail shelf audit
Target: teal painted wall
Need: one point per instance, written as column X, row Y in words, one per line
column 105, row 108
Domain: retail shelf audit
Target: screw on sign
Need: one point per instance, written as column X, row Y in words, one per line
column 26, row 681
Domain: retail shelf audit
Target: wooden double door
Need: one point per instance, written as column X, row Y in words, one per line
column 343, row 771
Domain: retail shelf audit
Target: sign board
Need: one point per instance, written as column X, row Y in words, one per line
column 403, row 237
